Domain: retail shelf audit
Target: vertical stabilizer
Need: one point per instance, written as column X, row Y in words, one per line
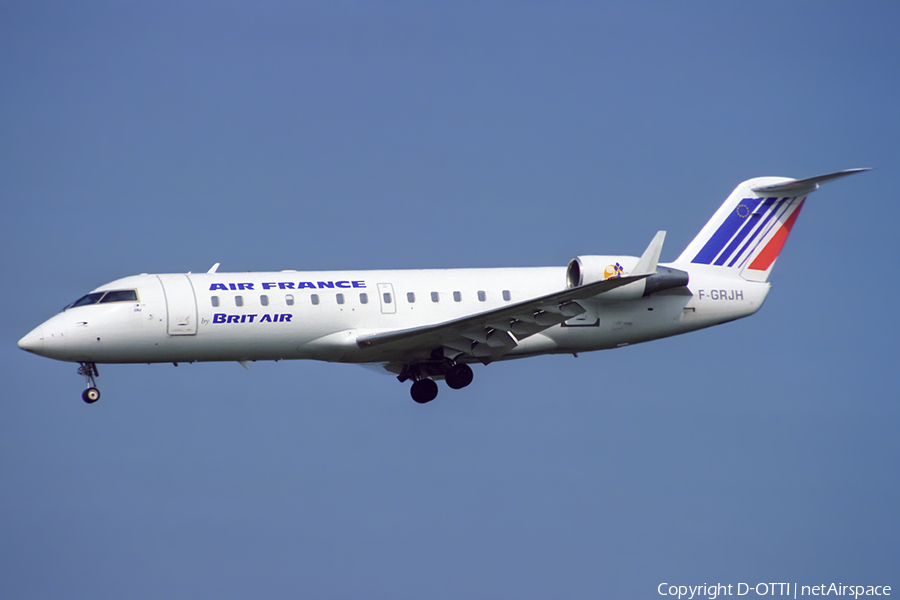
column 748, row 231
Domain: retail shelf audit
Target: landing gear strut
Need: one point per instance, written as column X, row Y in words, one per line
column 89, row 370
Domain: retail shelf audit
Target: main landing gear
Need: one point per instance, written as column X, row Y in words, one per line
column 424, row 389
column 89, row 370
column 459, row 376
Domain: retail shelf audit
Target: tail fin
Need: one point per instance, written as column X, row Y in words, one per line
column 750, row 228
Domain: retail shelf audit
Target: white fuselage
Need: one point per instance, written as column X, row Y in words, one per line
column 320, row 315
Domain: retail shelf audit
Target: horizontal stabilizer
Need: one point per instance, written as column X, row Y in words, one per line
column 799, row 187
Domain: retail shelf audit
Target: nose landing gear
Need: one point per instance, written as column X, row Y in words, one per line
column 89, row 370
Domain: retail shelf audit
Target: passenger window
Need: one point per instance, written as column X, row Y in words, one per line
column 314, row 298
column 481, row 297
column 340, row 298
column 120, row 296
column 363, row 298
column 410, row 297
column 289, row 299
column 215, row 301
column 238, row 300
column 387, row 297
column 435, row 297
column 264, row 300
column 506, row 295
column 457, row 297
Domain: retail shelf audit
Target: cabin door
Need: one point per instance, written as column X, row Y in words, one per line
column 181, row 304
column 387, row 299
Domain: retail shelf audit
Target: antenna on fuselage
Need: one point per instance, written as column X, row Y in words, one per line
column 213, row 268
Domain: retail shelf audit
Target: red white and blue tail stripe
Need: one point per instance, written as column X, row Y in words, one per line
column 749, row 230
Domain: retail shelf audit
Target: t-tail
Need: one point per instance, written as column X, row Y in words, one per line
column 748, row 231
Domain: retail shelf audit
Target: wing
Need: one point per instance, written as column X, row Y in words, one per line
column 488, row 335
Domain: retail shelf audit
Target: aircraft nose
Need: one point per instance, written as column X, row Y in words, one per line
column 34, row 341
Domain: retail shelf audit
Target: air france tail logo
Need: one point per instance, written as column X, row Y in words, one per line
column 754, row 233
column 613, row 271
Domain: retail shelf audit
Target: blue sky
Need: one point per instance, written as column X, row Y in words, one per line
column 165, row 138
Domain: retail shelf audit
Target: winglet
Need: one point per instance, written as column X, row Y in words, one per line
column 213, row 268
column 647, row 263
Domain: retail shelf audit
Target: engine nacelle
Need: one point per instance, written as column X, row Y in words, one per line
column 589, row 269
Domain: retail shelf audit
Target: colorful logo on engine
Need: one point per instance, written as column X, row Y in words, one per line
column 613, row 271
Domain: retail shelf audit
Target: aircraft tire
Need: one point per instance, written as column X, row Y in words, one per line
column 459, row 376
column 90, row 395
column 424, row 390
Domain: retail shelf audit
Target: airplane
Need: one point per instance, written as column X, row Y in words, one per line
column 428, row 325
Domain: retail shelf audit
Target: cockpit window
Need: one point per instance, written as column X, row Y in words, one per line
column 85, row 300
column 104, row 297
column 120, row 296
